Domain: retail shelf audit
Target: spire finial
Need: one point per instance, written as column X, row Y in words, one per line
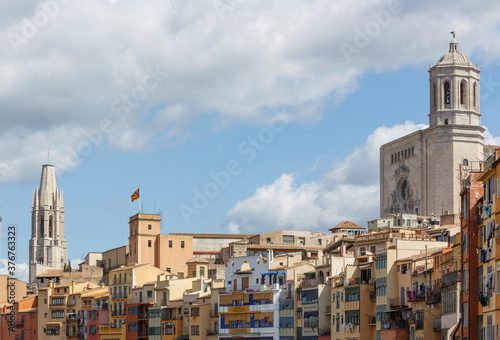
column 48, row 156
column 453, row 33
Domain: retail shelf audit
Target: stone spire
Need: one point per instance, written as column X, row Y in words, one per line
column 47, row 243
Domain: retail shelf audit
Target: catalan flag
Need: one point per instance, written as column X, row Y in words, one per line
column 135, row 195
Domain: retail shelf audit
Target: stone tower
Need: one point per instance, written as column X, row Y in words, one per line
column 47, row 243
column 419, row 173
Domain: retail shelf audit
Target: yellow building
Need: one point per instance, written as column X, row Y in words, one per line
column 53, row 305
column 197, row 267
column 122, row 280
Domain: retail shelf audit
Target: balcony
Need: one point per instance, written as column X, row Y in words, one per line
column 352, row 305
column 418, row 295
column 328, row 310
column 397, row 324
column 71, row 317
column 214, row 313
column 372, row 320
column 436, row 324
column 353, row 281
column 168, row 317
column 373, row 296
column 351, row 329
column 395, row 303
column 450, row 278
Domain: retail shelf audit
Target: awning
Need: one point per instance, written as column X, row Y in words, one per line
column 182, row 337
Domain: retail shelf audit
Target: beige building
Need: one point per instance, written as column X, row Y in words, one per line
column 6, row 283
column 419, row 172
column 53, row 306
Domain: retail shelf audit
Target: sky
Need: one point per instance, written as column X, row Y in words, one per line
column 232, row 116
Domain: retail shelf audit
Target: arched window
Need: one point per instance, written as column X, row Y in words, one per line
column 42, row 229
column 465, row 162
column 474, row 94
column 447, row 94
column 462, row 93
column 50, row 226
column 434, row 95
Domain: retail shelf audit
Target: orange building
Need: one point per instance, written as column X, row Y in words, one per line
column 25, row 318
column 147, row 245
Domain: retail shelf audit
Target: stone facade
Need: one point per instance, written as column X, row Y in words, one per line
column 47, row 243
column 419, row 173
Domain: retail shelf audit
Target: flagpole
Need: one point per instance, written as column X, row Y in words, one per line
column 140, row 198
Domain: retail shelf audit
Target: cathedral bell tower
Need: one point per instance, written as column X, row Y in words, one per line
column 454, row 90
column 47, row 243
column 419, row 172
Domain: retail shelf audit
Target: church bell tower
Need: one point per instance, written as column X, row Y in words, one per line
column 47, row 243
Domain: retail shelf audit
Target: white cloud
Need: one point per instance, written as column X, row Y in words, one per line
column 349, row 192
column 489, row 139
column 21, row 273
column 238, row 64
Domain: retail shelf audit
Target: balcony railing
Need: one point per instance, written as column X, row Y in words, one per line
column 418, row 295
column 171, row 317
column 454, row 276
column 436, row 323
column 350, row 328
column 401, row 324
column 395, row 303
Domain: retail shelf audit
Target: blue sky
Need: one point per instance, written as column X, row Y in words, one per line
column 187, row 87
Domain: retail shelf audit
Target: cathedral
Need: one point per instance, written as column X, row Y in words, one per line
column 47, row 243
column 419, row 173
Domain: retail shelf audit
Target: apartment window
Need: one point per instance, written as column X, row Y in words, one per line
column 170, row 244
column 150, row 293
column 195, row 311
column 149, row 226
column 169, row 269
column 287, row 239
column 373, row 249
column 465, row 320
column 182, row 244
column 202, row 271
column 498, row 278
column 195, row 330
column 149, row 243
column 404, row 268
column 419, row 319
column 268, row 240
column 92, row 329
column 92, row 315
column 466, row 280
column 57, row 314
